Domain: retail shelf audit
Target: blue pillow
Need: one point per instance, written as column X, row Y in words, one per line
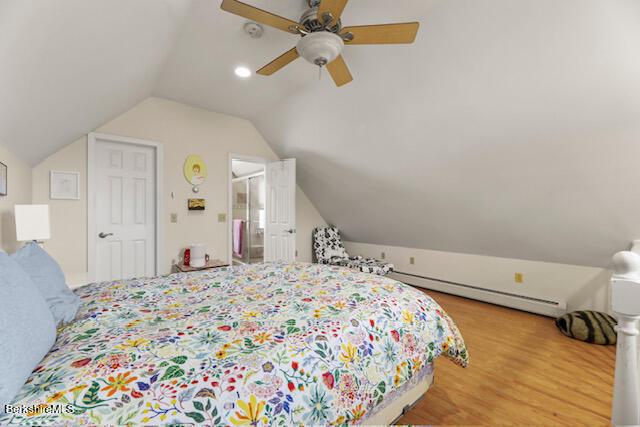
column 49, row 279
column 27, row 328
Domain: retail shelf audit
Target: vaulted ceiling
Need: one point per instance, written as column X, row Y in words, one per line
column 69, row 66
column 509, row 128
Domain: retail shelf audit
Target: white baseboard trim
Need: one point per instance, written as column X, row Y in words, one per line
column 520, row 302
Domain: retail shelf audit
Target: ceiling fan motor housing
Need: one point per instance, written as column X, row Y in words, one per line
column 312, row 22
column 320, row 48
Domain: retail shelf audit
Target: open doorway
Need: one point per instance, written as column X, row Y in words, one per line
column 261, row 210
column 248, row 210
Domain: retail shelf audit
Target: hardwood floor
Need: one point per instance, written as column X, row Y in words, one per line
column 522, row 371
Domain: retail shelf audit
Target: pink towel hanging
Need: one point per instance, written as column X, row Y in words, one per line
column 238, row 234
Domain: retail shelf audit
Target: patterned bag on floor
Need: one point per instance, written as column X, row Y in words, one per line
column 589, row 326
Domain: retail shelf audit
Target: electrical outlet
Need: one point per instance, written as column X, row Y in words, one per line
column 174, row 218
column 222, row 217
column 412, row 260
column 519, row 278
column 383, row 255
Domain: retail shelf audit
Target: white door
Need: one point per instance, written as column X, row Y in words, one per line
column 124, row 210
column 280, row 229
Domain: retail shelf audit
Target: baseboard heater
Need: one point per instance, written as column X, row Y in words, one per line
column 507, row 299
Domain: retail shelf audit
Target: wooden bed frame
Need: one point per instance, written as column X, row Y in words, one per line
column 625, row 303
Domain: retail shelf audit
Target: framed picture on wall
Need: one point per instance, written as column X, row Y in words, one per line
column 196, row 204
column 64, row 185
column 4, row 176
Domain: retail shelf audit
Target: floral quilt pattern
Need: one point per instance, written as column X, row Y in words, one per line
column 267, row 344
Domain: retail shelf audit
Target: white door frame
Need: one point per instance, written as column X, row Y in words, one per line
column 92, row 140
column 242, row 158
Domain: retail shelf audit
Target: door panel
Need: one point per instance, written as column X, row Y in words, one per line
column 115, row 199
column 140, row 201
column 280, row 242
column 113, row 259
column 125, row 203
column 139, row 257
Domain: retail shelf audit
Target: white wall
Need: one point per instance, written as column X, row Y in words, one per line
column 68, row 244
column 508, row 129
column 183, row 130
column 19, row 191
column 580, row 287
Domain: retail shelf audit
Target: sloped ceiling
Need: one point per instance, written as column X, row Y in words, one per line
column 200, row 69
column 242, row 169
column 509, row 128
column 68, row 66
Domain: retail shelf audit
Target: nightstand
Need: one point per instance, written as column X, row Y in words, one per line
column 212, row 264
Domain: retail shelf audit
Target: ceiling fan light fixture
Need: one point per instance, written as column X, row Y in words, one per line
column 320, row 48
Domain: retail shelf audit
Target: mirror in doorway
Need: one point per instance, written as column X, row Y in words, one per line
column 248, row 209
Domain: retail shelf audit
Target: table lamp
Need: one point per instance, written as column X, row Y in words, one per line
column 32, row 223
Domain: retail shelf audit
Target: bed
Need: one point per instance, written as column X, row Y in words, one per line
column 268, row 344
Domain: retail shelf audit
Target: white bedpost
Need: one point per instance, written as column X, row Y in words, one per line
column 625, row 302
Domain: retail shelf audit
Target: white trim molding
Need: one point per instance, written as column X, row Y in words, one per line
column 625, row 303
column 92, row 139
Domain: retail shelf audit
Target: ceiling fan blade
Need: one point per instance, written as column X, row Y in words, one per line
column 339, row 71
column 280, row 62
column 334, row 7
column 258, row 15
column 383, row 34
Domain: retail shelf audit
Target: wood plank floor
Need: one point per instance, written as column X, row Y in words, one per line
column 522, row 371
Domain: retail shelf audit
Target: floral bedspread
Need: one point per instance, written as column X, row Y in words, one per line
column 268, row 344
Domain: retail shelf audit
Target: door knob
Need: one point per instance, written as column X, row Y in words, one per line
column 104, row 235
column 291, row 230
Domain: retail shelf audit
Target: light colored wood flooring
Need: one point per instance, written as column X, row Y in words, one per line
column 522, row 371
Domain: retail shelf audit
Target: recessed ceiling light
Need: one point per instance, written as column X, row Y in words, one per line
column 243, row 72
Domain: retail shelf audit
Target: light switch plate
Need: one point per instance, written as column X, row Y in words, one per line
column 222, row 217
column 174, row 218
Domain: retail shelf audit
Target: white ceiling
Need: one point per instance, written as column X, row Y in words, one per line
column 509, row 128
column 241, row 168
column 68, row 66
column 200, row 69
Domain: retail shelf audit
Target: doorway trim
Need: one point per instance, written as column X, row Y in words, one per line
column 242, row 158
column 92, row 141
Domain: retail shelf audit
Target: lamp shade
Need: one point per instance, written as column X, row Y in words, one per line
column 32, row 222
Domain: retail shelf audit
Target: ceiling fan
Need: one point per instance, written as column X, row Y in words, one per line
column 323, row 36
